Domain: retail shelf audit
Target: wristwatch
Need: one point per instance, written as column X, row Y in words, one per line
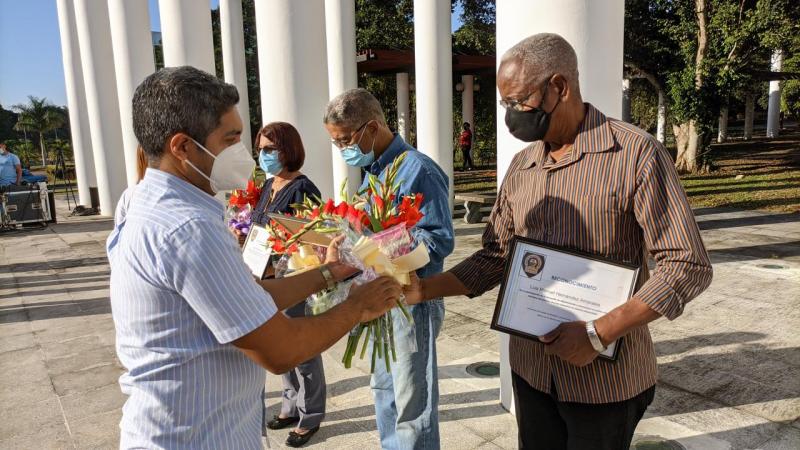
column 597, row 344
column 330, row 281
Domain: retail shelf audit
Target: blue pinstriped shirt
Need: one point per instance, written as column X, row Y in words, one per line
column 180, row 293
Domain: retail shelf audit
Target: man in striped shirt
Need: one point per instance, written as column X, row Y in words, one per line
column 192, row 324
column 595, row 184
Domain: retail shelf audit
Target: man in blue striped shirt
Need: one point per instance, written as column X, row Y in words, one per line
column 192, row 324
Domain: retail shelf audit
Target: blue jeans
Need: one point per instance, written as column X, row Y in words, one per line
column 407, row 398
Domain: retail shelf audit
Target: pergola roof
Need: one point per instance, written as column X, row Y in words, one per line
column 384, row 61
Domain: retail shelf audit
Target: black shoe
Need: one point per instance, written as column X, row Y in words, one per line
column 278, row 423
column 296, row 440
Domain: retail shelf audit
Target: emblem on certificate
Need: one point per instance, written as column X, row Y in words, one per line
column 256, row 251
column 544, row 286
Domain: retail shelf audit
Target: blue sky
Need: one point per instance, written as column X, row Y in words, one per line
column 30, row 50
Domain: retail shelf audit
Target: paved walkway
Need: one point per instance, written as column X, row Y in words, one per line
column 729, row 367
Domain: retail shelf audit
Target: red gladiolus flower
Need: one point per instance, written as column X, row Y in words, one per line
column 341, row 209
column 418, row 199
column 378, row 202
column 329, row 207
column 315, row 213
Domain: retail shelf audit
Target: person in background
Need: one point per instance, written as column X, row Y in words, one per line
column 194, row 329
column 10, row 167
column 407, row 398
column 465, row 142
column 281, row 155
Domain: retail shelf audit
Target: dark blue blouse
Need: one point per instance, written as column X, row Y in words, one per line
column 294, row 192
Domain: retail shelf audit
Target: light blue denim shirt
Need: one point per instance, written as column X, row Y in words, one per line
column 180, row 294
column 419, row 173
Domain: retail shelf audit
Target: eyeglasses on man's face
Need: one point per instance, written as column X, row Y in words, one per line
column 348, row 141
column 522, row 104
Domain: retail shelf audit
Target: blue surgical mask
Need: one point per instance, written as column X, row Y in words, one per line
column 353, row 155
column 269, row 162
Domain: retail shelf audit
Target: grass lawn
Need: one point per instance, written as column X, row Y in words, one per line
column 759, row 174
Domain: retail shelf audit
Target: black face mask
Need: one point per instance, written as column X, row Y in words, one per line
column 529, row 126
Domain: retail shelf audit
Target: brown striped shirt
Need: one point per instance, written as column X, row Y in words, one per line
column 615, row 194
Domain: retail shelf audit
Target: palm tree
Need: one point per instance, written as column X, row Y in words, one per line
column 39, row 116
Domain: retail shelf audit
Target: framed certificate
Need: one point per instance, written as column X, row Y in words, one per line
column 544, row 286
column 256, row 250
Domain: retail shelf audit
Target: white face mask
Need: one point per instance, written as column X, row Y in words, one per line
column 231, row 168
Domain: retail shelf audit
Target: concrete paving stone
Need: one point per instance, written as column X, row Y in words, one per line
column 17, row 342
column 22, row 364
column 47, row 437
column 80, row 361
column 508, row 439
column 14, row 328
column 89, row 343
column 86, row 380
column 25, row 391
column 28, row 418
column 97, row 401
column 100, row 431
column 458, row 436
column 62, row 328
column 788, row 439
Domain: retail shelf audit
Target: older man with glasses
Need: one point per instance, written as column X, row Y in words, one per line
column 407, row 398
column 597, row 185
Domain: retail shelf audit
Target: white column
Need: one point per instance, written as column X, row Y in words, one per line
column 433, row 60
column 293, row 72
column 186, row 34
column 403, row 108
column 233, row 62
column 133, row 60
column 97, row 59
column 749, row 110
column 340, row 28
column 467, row 101
column 722, row 129
column 774, row 108
column 595, row 30
column 626, row 100
column 76, row 101
column 661, row 124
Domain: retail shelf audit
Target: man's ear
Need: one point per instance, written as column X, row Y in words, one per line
column 562, row 85
column 179, row 145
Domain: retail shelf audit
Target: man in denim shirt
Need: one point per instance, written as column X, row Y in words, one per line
column 407, row 398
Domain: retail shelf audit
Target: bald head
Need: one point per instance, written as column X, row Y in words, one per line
column 536, row 58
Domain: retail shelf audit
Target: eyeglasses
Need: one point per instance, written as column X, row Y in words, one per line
column 521, row 105
column 342, row 143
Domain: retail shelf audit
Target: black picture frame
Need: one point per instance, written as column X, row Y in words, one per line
column 515, row 241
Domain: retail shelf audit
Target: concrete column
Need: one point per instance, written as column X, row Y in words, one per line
column 774, row 108
column 76, row 101
column 626, row 100
column 467, row 101
column 722, row 133
column 595, row 30
column 186, row 34
column 340, row 28
column 133, row 62
column 403, row 108
column 233, row 62
column 661, row 124
column 293, row 71
column 433, row 57
column 97, row 60
column 749, row 110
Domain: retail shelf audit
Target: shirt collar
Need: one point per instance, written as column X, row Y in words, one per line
column 182, row 188
column 395, row 148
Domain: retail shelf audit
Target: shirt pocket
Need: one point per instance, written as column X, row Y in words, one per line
column 610, row 223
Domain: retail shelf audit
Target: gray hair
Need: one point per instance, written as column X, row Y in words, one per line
column 179, row 100
column 353, row 108
column 544, row 55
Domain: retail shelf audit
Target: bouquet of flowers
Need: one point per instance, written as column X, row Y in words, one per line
column 377, row 241
column 240, row 207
